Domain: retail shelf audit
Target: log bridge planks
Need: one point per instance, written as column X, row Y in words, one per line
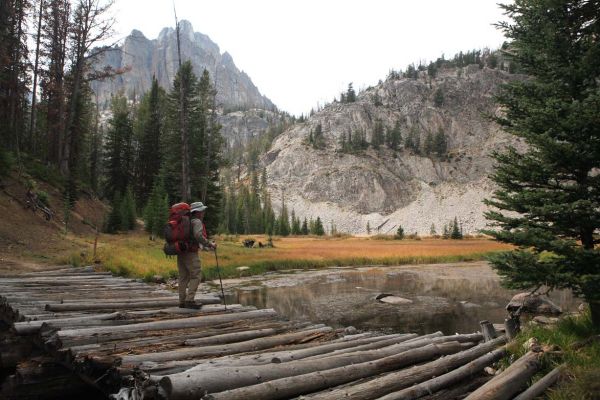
column 91, row 333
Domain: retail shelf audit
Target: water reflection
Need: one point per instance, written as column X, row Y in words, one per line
column 450, row 300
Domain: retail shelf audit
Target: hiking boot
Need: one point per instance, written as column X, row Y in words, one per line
column 192, row 305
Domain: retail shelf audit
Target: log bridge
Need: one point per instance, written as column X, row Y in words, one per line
column 72, row 332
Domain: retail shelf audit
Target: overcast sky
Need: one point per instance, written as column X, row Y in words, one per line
column 302, row 53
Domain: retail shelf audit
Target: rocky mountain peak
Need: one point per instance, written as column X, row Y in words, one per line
column 158, row 57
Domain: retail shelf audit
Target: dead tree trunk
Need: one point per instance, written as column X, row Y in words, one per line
column 510, row 382
column 541, row 385
column 381, row 386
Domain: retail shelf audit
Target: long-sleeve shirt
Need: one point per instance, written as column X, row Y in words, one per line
column 199, row 232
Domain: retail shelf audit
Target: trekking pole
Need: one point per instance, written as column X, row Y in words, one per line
column 220, row 281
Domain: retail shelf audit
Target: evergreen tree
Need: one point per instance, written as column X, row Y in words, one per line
column 440, row 145
column 127, row 211
column 350, row 94
column 283, row 220
column 446, row 232
column 428, row 144
column 118, row 156
column 378, row 134
column 156, row 210
column 319, row 230
column 304, row 229
column 368, row 227
column 455, row 231
column 296, row 229
column 113, row 221
column 432, row 230
column 151, row 126
column 399, row 233
column 547, row 194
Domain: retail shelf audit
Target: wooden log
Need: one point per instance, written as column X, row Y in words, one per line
column 200, row 380
column 460, row 390
column 235, row 337
column 442, row 381
column 488, row 331
column 131, row 304
column 178, row 323
column 31, row 327
column 540, row 386
column 261, row 358
column 233, row 348
column 395, row 381
column 295, row 385
column 511, row 327
column 511, row 381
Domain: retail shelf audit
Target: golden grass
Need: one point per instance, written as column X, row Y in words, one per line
column 135, row 255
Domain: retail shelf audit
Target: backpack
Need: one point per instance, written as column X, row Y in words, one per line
column 177, row 231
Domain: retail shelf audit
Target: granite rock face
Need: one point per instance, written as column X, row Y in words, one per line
column 386, row 188
column 158, row 57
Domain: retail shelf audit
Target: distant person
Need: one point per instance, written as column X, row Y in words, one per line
column 188, row 262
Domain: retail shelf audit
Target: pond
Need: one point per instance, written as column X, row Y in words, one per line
column 447, row 297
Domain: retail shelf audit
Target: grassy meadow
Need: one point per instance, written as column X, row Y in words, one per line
column 135, row 255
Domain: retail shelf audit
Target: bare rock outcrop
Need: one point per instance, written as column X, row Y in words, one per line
column 403, row 187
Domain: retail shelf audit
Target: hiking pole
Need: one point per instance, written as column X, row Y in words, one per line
column 220, row 281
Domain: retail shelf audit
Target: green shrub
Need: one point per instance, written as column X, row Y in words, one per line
column 43, row 197
column 6, row 163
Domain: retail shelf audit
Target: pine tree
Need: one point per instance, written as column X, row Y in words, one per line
column 296, row 229
column 399, row 233
column 368, row 227
column 428, row 144
column 350, row 94
column 319, row 229
column 118, row 157
column 547, row 194
column 283, row 220
column 304, row 229
column 156, row 210
column 151, row 125
column 378, row 134
column 432, row 230
column 127, row 211
column 455, row 232
column 113, row 221
column 440, row 145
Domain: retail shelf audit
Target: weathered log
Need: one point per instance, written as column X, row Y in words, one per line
column 395, row 381
column 131, row 304
column 203, row 380
column 511, row 381
column 320, row 379
column 511, row 327
column 233, row 348
column 542, row 384
column 179, row 323
column 260, row 358
column 460, row 390
column 30, row 327
column 488, row 331
column 448, row 379
column 235, row 337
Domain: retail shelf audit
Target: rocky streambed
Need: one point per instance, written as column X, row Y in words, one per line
column 424, row 298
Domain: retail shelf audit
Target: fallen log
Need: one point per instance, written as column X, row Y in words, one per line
column 202, row 381
column 179, row 323
column 31, row 327
column 511, row 381
column 320, row 351
column 542, row 384
column 235, row 337
column 233, row 348
column 131, row 304
column 460, row 390
column 448, row 379
column 310, row 382
column 395, row 381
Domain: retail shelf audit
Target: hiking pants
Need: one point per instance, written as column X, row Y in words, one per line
column 188, row 265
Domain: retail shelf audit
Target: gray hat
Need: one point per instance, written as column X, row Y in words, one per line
column 197, row 206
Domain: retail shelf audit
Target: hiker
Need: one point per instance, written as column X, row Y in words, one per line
column 188, row 262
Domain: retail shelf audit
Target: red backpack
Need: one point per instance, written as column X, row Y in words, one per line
column 178, row 231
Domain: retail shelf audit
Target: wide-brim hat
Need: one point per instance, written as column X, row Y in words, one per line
column 197, row 206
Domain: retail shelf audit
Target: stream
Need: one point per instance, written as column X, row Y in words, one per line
column 447, row 297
